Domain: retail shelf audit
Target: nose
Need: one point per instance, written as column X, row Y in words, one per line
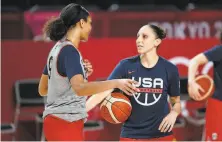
column 138, row 40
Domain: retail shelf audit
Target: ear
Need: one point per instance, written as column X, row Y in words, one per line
column 82, row 23
column 157, row 42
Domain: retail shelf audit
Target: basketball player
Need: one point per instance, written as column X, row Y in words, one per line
column 213, row 125
column 64, row 79
column 151, row 117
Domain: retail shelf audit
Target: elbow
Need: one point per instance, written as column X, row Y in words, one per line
column 78, row 91
column 198, row 60
column 193, row 62
column 43, row 92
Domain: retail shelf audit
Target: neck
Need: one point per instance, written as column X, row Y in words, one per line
column 149, row 59
column 74, row 37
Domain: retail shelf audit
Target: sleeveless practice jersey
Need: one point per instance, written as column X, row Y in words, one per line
column 150, row 105
column 64, row 61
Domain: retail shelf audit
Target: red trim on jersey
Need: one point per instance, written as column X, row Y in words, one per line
column 56, row 129
column 150, row 90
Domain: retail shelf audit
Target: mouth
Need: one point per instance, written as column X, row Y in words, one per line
column 139, row 46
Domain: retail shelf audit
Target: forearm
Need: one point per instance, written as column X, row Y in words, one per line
column 96, row 99
column 194, row 64
column 192, row 70
column 175, row 103
column 176, row 108
column 90, row 88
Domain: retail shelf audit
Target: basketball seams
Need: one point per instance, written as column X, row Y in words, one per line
column 104, row 103
column 211, row 84
column 117, row 107
column 109, row 107
column 112, row 110
column 106, row 115
column 119, row 100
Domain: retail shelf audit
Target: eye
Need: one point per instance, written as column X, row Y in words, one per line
column 145, row 36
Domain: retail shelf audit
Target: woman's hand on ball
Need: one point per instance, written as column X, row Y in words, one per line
column 194, row 89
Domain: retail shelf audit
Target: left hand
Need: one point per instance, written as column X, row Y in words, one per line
column 88, row 67
column 168, row 122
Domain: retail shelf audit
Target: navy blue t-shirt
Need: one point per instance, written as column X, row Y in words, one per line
column 150, row 105
column 68, row 62
column 215, row 54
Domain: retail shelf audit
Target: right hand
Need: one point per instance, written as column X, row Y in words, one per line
column 127, row 86
column 194, row 89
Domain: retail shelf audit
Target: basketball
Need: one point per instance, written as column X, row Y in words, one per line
column 207, row 83
column 116, row 108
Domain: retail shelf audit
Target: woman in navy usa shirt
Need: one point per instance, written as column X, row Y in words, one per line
column 151, row 117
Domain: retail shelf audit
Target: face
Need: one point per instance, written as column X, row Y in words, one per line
column 86, row 27
column 146, row 40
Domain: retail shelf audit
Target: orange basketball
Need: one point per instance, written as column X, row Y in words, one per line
column 116, row 108
column 207, row 83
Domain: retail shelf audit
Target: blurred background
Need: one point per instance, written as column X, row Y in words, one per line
column 192, row 26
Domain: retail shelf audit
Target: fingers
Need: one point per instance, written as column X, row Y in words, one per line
column 90, row 70
column 165, row 125
column 171, row 128
column 127, row 86
column 201, row 89
column 196, row 95
column 131, row 88
column 194, row 92
column 132, row 82
column 162, row 124
column 87, row 63
column 88, row 66
column 126, row 91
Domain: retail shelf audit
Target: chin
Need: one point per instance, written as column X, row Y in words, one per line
column 84, row 40
column 140, row 51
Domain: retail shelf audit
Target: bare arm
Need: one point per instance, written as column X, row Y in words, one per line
column 193, row 87
column 96, row 99
column 175, row 103
column 169, row 121
column 194, row 64
column 43, row 85
column 89, row 88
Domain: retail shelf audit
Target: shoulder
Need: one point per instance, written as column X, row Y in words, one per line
column 214, row 48
column 130, row 60
column 168, row 65
column 69, row 50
